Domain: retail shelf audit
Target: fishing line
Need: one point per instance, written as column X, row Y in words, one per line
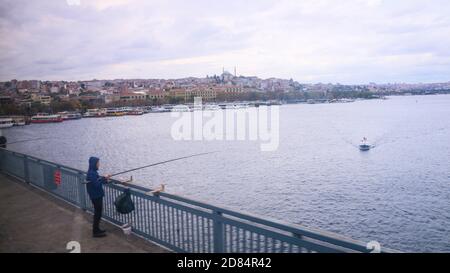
column 163, row 162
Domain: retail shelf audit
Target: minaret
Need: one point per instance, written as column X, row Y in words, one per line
column 235, row 75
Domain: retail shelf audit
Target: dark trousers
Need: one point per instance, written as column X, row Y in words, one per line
column 98, row 208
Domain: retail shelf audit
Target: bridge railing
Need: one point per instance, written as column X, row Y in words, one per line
column 178, row 223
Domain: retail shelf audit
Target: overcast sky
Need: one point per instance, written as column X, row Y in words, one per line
column 345, row 41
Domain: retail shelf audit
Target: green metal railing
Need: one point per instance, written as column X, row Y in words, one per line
column 178, row 223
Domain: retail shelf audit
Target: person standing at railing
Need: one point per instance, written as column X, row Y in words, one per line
column 95, row 190
column 3, row 140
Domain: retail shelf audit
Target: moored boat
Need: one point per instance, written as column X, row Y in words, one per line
column 20, row 122
column 364, row 145
column 70, row 115
column 6, row 123
column 212, row 107
column 95, row 113
column 159, row 109
column 114, row 112
column 181, row 108
column 46, row 118
column 135, row 112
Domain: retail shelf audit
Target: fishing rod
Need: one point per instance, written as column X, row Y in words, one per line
column 27, row 140
column 160, row 163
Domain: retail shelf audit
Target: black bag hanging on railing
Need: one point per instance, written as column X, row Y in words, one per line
column 124, row 204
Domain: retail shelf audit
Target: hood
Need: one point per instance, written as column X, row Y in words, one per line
column 93, row 163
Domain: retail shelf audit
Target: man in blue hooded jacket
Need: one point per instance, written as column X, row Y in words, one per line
column 94, row 188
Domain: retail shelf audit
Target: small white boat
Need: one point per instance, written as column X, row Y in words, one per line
column 181, row 108
column 364, row 145
column 6, row 123
column 159, row 110
column 212, row 107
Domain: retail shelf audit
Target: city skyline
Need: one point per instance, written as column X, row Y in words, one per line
column 354, row 42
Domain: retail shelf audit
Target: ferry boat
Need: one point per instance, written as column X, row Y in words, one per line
column 125, row 110
column 364, row 146
column 6, row 123
column 114, row 112
column 46, row 118
column 70, row 115
column 95, row 113
column 19, row 122
column 135, row 112
column 16, row 121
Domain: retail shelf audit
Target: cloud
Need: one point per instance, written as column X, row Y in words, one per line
column 352, row 41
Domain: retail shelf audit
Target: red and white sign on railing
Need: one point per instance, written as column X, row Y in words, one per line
column 57, row 177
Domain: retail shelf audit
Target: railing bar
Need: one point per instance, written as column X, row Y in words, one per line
column 251, row 241
column 178, row 228
column 203, row 235
column 107, row 209
column 198, row 233
column 169, row 224
column 190, row 233
column 138, row 215
column 236, row 240
column 266, row 249
column 225, row 238
column 193, row 233
column 164, row 222
column 186, row 217
column 245, row 241
column 146, row 217
column 259, row 242
column 160, row 223
column 183, row 233
column 172, row 226
column 209, row 235
column 153, row 221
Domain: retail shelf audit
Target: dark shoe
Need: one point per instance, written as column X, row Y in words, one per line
column 99, row 235
column 101, row 231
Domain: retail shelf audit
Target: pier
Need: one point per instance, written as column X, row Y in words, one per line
column 45, row 205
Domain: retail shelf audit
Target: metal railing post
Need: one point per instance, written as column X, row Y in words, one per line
column 218, row 233
column 81, row 191
column 1, row 160
column 26, row 170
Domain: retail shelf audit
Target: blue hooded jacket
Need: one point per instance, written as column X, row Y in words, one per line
column 95, row 182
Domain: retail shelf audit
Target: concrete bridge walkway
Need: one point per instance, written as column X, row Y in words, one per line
column 34, row 221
